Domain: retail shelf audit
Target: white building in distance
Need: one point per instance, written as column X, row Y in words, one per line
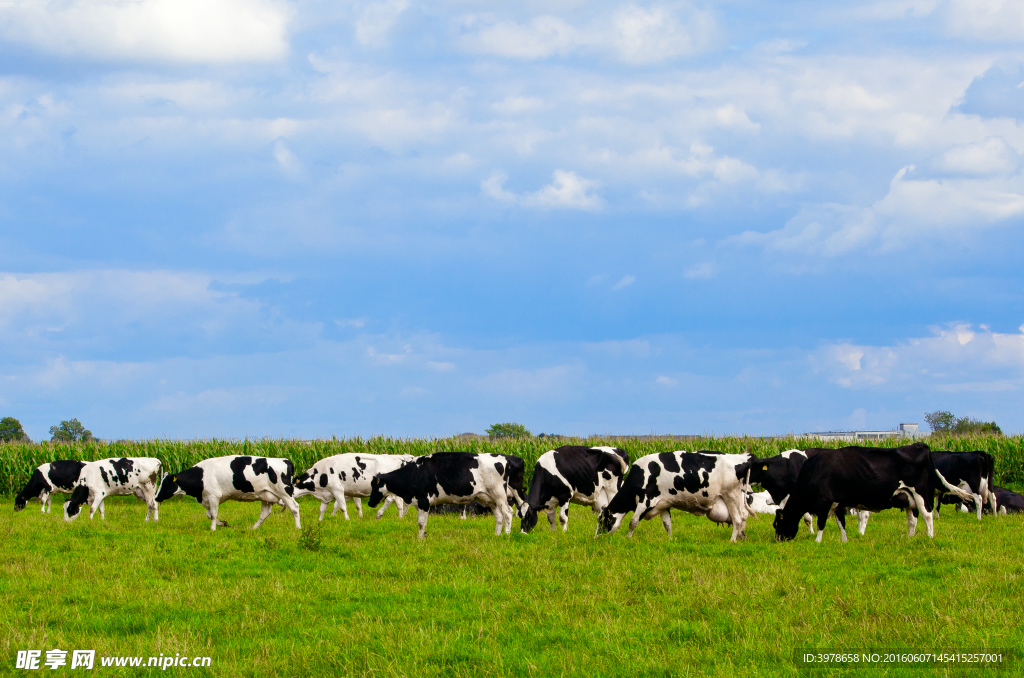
column 904, row 431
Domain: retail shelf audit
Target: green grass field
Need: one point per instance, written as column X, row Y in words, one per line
column 375, row 601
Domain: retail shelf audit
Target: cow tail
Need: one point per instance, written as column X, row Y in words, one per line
column 964, row 496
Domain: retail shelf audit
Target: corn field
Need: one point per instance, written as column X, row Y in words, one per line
column 17, row 460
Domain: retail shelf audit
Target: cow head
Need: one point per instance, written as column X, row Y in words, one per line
column 786, row 524
column 168, row 488
column 304, row 484
column 377, row 491
column 73, row 506
column 608, row 522
column 528, row 516
column 36, row 486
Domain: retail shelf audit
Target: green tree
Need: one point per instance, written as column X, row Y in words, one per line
column 11, row 430
column 941, row 421
column 965, row 425
column 508, row 431
column 70, row 431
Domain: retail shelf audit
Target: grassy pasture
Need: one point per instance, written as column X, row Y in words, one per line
column 375, row 601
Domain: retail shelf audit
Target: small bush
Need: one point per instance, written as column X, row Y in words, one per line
column 312, row 536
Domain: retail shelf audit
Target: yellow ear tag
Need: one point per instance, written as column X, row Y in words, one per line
column 765, row 467
column 174, row 479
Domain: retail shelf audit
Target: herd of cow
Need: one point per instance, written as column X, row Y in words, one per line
column 812, row 485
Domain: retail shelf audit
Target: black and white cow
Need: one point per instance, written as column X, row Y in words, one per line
column 114, row 477
column 970, row 471
column 48, row 479
column 494, row 480
column 864, row 478
column 690, row 481
column 1007, row 501
column 575, row 474
column 238, row 478
column 349, row 475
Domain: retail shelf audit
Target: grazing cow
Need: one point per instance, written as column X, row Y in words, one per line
column 1006, row 501
column 970, row 471
column 690, row 481
column 113, row 477
column 864, row 478
column 48, row 479
column 494, row 480
column 575, row 474
column 348, row 475
column 239, row 478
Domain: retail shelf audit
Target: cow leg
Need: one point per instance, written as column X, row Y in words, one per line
column 841, row 521
column 552, row 517
column 401, row 506
column 422, row 520
column 97, row 504
column 563, row 516
column 992, row 502
column 926, row 514
column 388, row 500
column 862, row 521
column 737, row 507
column 359, row 506
column 150, row 498
column 211, row 513
column 293, row 506
column 809, row 521
column 44, row 500
column 978, row 502
column 265, row 508
column 323, row 508
column 822, row 521
column 635, row 520
column 666, row 520
column 462, row 515
column 911, row 522
column 344, row 504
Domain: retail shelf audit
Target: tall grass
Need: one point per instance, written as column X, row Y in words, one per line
column 17, row 460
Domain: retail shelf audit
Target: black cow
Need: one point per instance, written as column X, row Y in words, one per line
column 1007, row 501
column 575, row 474
column 47, row 479
column 494, row 480
column 864, row 478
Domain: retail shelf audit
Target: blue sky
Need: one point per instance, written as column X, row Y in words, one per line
column 260, row 218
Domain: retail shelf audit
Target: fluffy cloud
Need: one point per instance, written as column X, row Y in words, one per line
column 566, row 191
column 912, row 209
column 377, row 19
column 633, row 34
column 958, row 357
column 199, row 31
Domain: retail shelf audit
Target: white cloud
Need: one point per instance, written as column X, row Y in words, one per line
column 633, row 34
column 955, row 357
column 990, row 156
column 912, row 209
column 666, row 381
column 702, row 271
column 287, row 160
column 376, row 21
column 538, row 383
column 512, row 105
column 645, row 36
column 198, row 31
column 567, row 190
column 541, row 37
column 986, row 19
column 625, row 282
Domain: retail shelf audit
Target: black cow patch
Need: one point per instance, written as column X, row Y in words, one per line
column 500, row 468
column 64, row 472
column 668, row 460
column 238, row 480
column 122, row 467
column 103, row 474
column 260, row 466
column 323, row 480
